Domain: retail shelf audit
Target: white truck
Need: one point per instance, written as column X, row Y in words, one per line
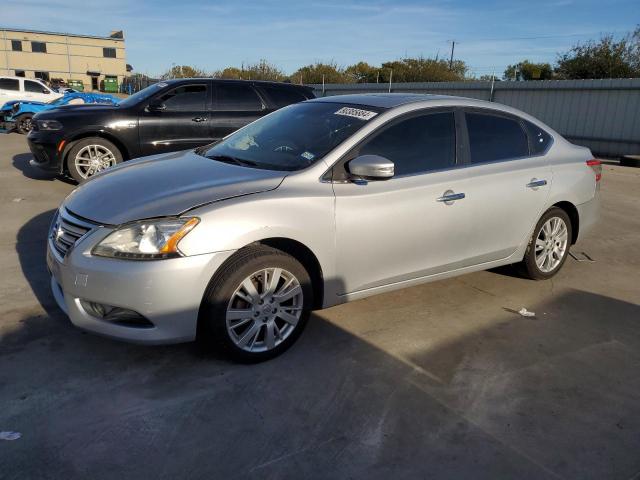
column 19, row 88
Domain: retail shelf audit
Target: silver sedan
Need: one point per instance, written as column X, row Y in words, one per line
column 319, row 203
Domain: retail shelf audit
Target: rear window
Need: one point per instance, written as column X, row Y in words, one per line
column 494, row 137
column 281, row 97
column 9, row 84
column 540, row 140
column 236, row 97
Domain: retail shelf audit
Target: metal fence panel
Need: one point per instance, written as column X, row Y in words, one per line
column 603, row 115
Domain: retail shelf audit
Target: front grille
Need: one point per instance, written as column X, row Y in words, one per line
column 67, row 229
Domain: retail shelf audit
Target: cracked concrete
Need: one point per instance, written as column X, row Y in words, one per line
column 437, row 381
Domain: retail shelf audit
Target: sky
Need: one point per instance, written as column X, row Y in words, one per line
column 489, row 34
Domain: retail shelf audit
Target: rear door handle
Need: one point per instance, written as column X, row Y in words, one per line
column 449, row 197
column 536, row 183
column 198, row 119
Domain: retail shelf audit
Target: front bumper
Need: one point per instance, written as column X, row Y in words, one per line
column 168, row 293
column 43, row 146
column 7, row 124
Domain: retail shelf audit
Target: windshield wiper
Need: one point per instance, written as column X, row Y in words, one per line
column 233, row 160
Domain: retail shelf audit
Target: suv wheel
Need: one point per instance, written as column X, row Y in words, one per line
column 549, row 245
column 90, row 156
column 257, row 305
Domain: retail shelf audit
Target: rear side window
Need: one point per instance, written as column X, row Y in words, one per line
column 186, row 98
column 418, row 144
column 35, row 87
column 493, row 137
column 236, row 97
column 540, row 140
column 281, row 97
column 9, row 84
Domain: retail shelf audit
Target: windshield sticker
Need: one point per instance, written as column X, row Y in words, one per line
column 307, row 155
column 356, row 113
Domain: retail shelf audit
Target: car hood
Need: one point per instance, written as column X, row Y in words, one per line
column 165, row 185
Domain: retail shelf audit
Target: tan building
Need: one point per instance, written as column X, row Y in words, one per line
column 49, row 55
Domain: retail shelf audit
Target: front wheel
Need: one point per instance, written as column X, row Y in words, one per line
column 24, row 123
column 549, row 245
column 90, row 156
column 257, row 305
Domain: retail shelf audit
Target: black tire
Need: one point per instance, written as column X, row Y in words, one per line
column 23, row 123
column 212, row 324
column 77, row 174
column 528, row 266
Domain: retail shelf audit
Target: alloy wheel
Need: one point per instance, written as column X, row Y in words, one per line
column 551, row 244
column 93, row 159
column 264, row 310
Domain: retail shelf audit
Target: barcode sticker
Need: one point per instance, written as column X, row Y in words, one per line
column 356, row 113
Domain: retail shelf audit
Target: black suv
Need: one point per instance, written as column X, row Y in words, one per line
column 171, row 115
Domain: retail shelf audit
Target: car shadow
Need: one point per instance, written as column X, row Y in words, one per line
column 21, row 162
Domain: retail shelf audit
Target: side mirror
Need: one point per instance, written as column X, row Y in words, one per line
column 371, row 167
column 156, row 106
column 44, row 90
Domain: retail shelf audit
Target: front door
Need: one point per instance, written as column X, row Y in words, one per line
column 180, row 120
column 413, row 224
column 235, row 106
column 36, row 92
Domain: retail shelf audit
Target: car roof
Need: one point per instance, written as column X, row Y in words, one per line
column 384, row 100
column 229, row 80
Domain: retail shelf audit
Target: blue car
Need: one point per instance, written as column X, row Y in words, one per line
column 17, row 114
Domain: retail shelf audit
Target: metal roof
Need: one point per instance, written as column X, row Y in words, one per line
column 22, row 30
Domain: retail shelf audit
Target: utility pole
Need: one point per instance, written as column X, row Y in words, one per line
column 390, row 78
column 453, row 46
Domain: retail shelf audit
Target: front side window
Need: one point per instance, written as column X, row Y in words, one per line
column 494, row 137
column 186, row 98
column 9, row 84
column 109, row 52
column 33, row 87
column 16, row 45
column 39, row 47
column 418, row 144
column 236, row 97
column 293, row 137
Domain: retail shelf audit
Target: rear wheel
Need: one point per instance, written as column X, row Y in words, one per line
column 257, row 305
column 549, row 245
column 90, row 156
column 24, row 123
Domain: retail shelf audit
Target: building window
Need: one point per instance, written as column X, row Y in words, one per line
column 109, row 52
column 39, row 47
column 20, row 73
column 42, row 76
column 16, row 45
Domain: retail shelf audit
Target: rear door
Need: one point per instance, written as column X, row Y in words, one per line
column 235, row 105
column 10, row 90
column 184, row 122
column 508, row 183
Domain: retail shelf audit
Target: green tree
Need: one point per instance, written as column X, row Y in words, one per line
column 183, row 71
column 527, row 70
column 606, row 58
column 263, row 70
column 423, row 70
column 230, row 73
column 362, row 72
column 314, row 74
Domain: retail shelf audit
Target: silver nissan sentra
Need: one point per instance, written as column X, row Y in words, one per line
column 316, row 204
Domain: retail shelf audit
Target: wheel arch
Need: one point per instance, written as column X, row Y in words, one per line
column 574, row 216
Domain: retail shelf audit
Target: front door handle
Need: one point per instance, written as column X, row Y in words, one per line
column 449, row 197
column 536, row 183
column 198, row 119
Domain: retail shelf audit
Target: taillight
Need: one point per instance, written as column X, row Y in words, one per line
column 596, row 166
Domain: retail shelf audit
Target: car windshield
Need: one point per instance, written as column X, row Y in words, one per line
column 291, row 138
column 142, row 94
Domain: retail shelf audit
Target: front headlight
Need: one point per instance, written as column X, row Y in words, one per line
column 146, row 240
column 49, row 125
